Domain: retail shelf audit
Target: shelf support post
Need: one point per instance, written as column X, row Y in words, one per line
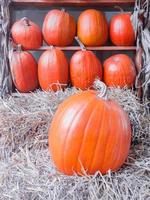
column 5, row 74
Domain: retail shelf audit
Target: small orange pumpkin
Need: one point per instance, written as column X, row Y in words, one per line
column 84, row 68
column 119, row 71
column 121, row 30
column 59, row 28
column 27, row 33
column 24, row 71
column 53, row 69
column 91, row 132
column 92, row 28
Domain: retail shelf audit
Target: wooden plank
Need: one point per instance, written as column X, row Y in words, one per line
column 102, row 48
column 73, row 2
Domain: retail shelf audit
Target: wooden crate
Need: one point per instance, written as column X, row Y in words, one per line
column 37, row 9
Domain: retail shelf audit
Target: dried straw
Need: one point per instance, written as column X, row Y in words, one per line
column 27, row 172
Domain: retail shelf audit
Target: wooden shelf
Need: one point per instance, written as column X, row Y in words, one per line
column 74, row 2
column 102, row 48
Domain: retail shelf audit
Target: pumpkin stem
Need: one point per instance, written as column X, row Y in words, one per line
column 63, row 10
column 83, row 48
column 19, row 48
column 119, row 8
column 26, row 20
column 102, row 88
column 51, row 47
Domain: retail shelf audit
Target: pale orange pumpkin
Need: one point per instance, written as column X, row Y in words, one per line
column 89, row 132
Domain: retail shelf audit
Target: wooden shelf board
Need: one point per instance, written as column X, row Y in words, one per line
column 102, row 48
column 73, row 2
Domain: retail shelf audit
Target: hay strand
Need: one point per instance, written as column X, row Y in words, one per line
column 26, row 169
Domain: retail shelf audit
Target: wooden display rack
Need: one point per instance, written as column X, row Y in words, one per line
column 79, row 3
column 74, row 2
column 10, row 5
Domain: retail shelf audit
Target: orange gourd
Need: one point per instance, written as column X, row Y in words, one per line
column 85, row 67
column 119, row 70
column 92, row 28
column 24, row 71
column 53, row 69
column 121, row 30
column 89, row 132
column 59, row 28
column 27, row 33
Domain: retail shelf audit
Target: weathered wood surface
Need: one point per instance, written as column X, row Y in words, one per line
column 74, row 2
column 5, row 75
column 102, row 48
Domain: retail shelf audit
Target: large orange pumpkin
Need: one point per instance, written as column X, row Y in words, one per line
column 53, row 69
column 24, row 71
column 59, row 28
column 27, row 33
column 119, row 70
column 90, row 133
column 121, row 30
column 84, row 68
column 92, row 28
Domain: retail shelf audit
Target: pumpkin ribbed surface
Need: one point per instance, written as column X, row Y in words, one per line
column 27, row 33
column 89, row 132
column 121, row 30
column 24, row 71
column 59, row 28
column 92, row 28
column 119, row 70
column 84, row 68
column 53, row 69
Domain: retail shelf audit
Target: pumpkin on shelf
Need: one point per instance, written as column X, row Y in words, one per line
column 89, row 132
column 84, row 68
column 119, row 71
column 59, row 28
column 27, row 33
column 24, row 71
column 92, row 28
column 53, row 70
column 121, row 30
